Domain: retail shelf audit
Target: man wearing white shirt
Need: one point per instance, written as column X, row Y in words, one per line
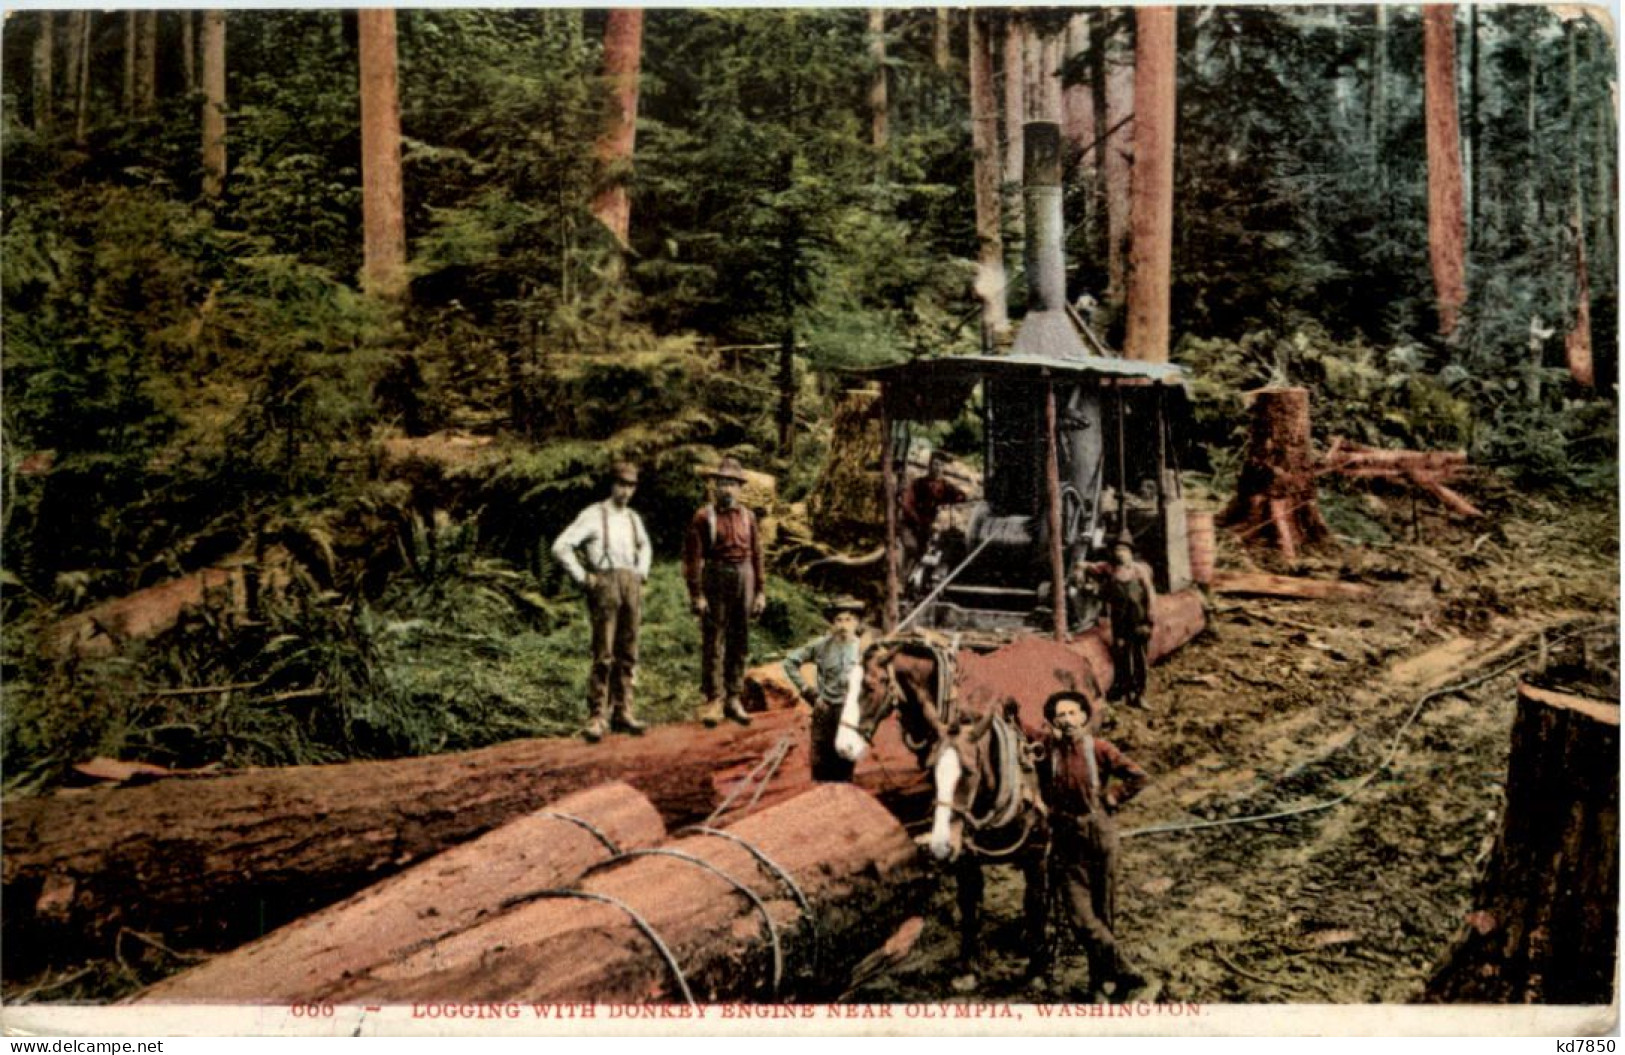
column 611, row 539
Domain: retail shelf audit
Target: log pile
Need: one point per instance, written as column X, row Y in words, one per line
column 855, row 875
column 1429, row 471
column 446, row 894
column 240, row 852
column 1545, row 921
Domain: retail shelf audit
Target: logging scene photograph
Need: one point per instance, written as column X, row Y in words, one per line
column 1068, row 509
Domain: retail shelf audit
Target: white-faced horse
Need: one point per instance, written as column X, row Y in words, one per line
column 987, row 808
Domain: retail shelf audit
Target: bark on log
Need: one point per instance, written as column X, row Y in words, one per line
column 445, row 894
column 852, row 861
column 1252, row 584
column 215, row 865
column 1275, row 495
column 1545, row 923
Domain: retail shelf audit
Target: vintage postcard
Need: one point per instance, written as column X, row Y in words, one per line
column 541, row 521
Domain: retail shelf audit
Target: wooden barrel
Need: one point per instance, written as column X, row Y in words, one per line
column 1199, row 532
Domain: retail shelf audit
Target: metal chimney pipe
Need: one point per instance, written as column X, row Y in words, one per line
column 1041, row 185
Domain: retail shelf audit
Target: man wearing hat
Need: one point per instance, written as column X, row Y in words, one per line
column 1128, row 591
column 1084, row 780
column 722, row 564
column 835, row 657
column 611, row 537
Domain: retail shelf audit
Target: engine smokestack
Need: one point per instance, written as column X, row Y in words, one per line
column 1047, row 330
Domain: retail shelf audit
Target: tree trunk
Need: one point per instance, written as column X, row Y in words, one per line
column 189, row 51
column 617, row 144
column 383, row 218
column 942, row 39
column 1152, row 214
column 44, row 101
column 130, row 35
column 214, row 103
column 1475, row 130
column 787, row 392
column 1545, row 917
column 1048, row 52
column 844, row 504
column 81, row 78
column 1577, row 343
column 877, row 86
column 1379, row 86
column 214, row 862
column 854, row 864
column 1077, row 104
column 1015, row 115
column 1118, row 173
column 991, row 281
column 146, row 74
column 444, row 895
column 1446, row 220
column 1275, row 494
column 1605, row 159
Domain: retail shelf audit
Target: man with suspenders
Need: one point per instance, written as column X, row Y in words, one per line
column 616, row 548
column 1084, row 780
column 722, row 564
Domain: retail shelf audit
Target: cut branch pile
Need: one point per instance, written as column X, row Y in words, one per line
column 1430, row 471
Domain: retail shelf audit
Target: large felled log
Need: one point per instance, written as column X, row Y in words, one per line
column 222, row 859
column 1275, row 493
column 849, row 858
column 230, row 856
column 1544, row 928
column 443, row 895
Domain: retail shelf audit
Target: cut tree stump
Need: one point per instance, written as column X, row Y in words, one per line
column 447, row 893
column 1545, row 922
column 219, row 860
column 1275, row 494
column 856, row 867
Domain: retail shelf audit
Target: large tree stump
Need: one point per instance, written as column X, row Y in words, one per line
column 1544, row 927
column 844, row 505
column 443, row 895
column 857, row 868
column 1275, row 496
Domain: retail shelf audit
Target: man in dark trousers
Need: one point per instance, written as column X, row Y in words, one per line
column 835, row 657
column 1085, row 779
column 722, row 564
column 1128, row 591
column 611, row 538
column 920, row 504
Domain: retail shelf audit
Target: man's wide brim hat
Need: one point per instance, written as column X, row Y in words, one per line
column 624, row 473
column 1124, row 538
column 729, row 469
column 843, row 604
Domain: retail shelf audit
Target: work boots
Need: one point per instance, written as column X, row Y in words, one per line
column 594, row 731
column 711, row 713
column 623, row 722
column 735, row 711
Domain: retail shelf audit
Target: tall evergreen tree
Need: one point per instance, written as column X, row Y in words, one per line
column 383, row 216
column 1447, row 222
column 623, row 59
column 1152, row 222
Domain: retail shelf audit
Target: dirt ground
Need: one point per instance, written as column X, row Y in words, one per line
column 1288, row 704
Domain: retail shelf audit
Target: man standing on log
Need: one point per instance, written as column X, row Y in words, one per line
column 920, row 504
column 1129, row 592
column 1084, row 779
column 836, row 657
column 722, row 564
column 617, row 551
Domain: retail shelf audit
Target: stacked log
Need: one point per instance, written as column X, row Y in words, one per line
column 1545, row 921
column 855, row 873
column 446, row 894
column 235, row 854
column 1430, row 471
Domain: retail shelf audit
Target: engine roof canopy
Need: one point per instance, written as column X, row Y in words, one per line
column 934, row 389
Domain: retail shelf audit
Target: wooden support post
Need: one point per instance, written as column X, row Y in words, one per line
column 1052, row 477
column 888, row 487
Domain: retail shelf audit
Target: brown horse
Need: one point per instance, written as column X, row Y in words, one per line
column 987, row 804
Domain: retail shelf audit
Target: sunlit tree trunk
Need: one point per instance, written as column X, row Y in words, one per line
column 1605, row 159
column 1152, row 214
column 146, row 73
column 383, row 219
column 1475, row 132
column 81, row 77
column 1077, row 107
column 1015, row 114
column 877, row 84
column 942, row 39
column 44, row 67
column 984, row 107
column 617, row 144
column 214, row 103
column 1446, row 220
column 129, row 61
column 1577, row 344
column 1119, row 149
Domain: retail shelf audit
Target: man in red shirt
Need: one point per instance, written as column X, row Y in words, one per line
column 722, row 564
column 921, row 501
column 1084, row 780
